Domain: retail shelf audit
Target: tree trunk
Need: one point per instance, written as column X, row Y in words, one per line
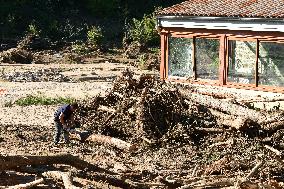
column 236, row 122
column 27, row 185
column 111, row 141
column 12, row 162
column 236, row 110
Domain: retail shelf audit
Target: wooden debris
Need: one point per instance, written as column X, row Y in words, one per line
column 111, row 141
column 12, row 162
column 64, row 176
column 27, row 185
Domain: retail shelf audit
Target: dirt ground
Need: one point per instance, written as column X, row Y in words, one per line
column 182, row 144
column 28, row 130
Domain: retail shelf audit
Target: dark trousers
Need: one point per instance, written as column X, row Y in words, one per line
column 58, row 131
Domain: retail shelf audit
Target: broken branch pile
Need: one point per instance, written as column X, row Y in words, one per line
column 164, row 136
column 226, row 136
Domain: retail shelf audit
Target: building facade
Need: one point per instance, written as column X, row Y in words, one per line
column 227, row 43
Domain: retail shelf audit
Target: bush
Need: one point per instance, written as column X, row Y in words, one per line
column 95, row 36
column 80, row 48
column 33, row 29
column 143, row 31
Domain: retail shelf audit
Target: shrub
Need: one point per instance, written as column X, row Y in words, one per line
column 95, row 36
column 143, row 31
column 33, row 29
column 80, row 48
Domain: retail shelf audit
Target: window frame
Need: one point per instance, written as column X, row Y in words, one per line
column 194, row 78
column 255, row 64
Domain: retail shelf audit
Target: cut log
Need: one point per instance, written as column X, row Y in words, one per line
column 224, row 106
column 236, row 122
column 65, row 177
column 209, row 130
column 254, row 170
column 94, row 184
column 210, row 183
column 111, row 141
column 12, row 162
column 233, row 109
column 106, row 109
column 27, row 185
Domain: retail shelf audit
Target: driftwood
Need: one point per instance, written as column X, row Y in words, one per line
column 209, row 130
column 236, row 122
column 228, row 142
column 224, row 106
column 235, row 110
column 209, row 183
column 111, row 141
column 254, row 170
column 65, row 177
column 27, row 185
column 277, row 152
column 12, row 162
column 94, row 184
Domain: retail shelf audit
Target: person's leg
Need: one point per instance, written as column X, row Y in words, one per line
column 58, row 130
column 66, row 136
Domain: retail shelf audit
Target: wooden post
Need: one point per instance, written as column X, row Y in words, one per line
column 163, row 53
column 256, row 63
column 222, row 57
column 194, row 58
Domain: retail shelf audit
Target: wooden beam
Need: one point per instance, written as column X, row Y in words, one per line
column 162, row 63
column 256, row 63
column 222, row 59
column 194, row 58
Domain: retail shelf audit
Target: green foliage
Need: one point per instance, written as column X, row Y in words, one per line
column 41, row 100
column 142, row 61
column 32, row 29
column 80, row 48
column 69, row 20
column 143, row 31
column 95, row 36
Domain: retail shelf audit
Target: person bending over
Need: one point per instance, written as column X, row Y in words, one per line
column 64, row 121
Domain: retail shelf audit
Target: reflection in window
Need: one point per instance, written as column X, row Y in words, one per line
column 242, row 59
column 180, row 57
column 271, row 64
column 207, row 58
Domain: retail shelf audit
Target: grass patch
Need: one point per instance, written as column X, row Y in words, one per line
column 42, row 100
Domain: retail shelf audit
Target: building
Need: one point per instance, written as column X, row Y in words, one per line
column 228, row 43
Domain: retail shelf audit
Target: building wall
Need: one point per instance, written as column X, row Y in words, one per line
column 238, row 63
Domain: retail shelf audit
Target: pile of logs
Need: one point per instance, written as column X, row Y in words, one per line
column 227, row 144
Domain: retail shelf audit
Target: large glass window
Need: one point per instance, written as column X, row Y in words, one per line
column 207, row 58
column 242, row 60
column 180, row 57
column 271, row 64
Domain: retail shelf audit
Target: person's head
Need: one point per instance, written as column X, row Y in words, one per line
column 74, row 106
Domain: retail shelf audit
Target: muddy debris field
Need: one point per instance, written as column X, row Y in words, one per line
column 145, row 133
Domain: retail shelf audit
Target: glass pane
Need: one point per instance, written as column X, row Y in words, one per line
column 271, row 64
column 207, row 58
column 242, row 58
column 180, row 57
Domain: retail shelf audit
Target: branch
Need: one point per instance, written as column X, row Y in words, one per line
column 65, row 177
column 27, row 185
column 12, row 162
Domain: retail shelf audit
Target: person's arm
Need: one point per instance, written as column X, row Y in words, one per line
column 61, row 118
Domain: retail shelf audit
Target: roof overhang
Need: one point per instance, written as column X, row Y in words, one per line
column 224, row 23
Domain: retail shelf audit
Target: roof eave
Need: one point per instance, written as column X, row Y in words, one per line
column 220, row 18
